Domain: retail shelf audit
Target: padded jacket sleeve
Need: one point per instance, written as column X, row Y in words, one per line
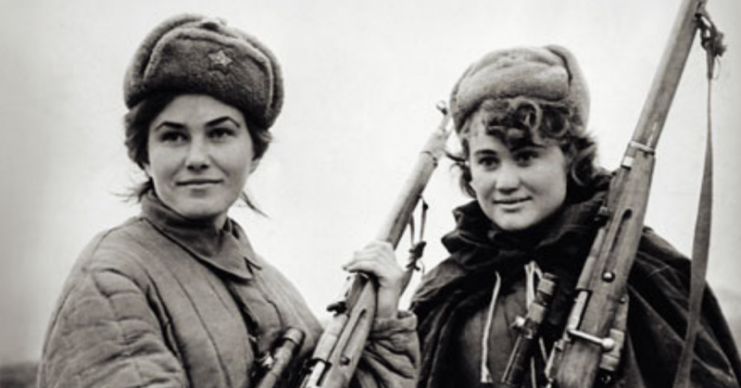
column 105, row 334
column 391, row 357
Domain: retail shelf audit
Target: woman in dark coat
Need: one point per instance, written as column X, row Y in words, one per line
column 176, row 297
column 527, row 160
column 521, row 116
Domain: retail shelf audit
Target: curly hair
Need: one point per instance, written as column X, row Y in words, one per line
column 140, row 117
column 516, row 121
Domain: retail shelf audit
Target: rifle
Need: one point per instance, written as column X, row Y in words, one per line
column 529, row 328
column 589, row 341
column 281, row 357
column 338, row 350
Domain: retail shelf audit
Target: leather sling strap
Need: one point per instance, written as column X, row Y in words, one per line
column 712, row 42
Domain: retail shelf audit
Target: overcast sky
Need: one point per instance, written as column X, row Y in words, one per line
column 362, row 81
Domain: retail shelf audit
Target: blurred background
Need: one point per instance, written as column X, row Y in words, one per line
column 362, row 81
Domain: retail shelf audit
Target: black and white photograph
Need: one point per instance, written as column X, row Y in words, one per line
column 384, row 194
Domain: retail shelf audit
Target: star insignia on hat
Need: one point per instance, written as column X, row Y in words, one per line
column 220, row 61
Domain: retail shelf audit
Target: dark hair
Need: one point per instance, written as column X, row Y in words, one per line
column 140, row 117
column 515, row 121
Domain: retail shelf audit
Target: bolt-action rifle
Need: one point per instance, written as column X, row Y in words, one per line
column 338, row 350
column 589, row 341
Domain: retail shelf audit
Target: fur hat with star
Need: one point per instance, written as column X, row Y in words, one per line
column 201, row 55
column 550, row 73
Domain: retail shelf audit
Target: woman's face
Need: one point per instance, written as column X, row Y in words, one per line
column 200, row 155
column 516, row 188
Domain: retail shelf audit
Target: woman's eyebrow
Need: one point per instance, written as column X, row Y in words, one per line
column 529, row 146
column 169, row 124
column 485, row 152
column 221, row 120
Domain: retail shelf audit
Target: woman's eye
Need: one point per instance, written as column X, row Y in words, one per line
column 173, row 137
column 488, row 162
column 221, row 133
column 525, row 157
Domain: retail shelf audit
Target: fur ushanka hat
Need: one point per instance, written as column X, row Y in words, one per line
column 201, row 55
column 549, row 73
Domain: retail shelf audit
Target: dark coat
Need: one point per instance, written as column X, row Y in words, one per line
column 162, row 301
column 454, row 299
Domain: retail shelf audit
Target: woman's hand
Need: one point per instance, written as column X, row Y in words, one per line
column 378, row 259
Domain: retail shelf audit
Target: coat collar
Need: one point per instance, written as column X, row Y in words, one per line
column 226, row 250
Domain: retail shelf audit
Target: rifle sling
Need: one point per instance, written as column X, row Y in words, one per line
column 712, row 43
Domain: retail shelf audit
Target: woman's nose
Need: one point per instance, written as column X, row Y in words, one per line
column 508, row 177
column 198, row 157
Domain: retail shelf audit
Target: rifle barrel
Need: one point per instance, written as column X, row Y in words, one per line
column 669, row 73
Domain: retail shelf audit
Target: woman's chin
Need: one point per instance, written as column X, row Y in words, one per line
column 514, row 223
column 202, row 212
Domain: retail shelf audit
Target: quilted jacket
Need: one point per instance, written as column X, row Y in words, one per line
column 162, row 301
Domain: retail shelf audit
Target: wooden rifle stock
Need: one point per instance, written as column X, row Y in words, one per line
column 602, row 287
column 339, row 348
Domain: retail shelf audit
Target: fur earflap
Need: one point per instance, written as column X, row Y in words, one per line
column 550, row 73
column 201, row 55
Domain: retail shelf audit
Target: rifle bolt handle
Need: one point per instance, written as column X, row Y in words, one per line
column 607, row 344
column 339, row 307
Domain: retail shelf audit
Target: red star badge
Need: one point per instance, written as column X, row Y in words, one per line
column 220, row 61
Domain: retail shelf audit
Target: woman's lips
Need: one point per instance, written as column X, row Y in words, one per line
column 511, row 203
column 197, row 183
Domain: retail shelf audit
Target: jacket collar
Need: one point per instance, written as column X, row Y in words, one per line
column 226, row 250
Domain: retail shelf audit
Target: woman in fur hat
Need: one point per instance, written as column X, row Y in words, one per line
column 529, row 164
column 176, row 297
